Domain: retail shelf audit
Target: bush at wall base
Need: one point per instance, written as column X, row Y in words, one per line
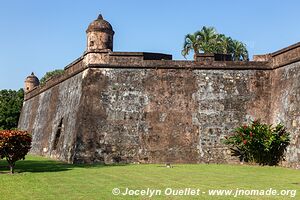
column 14, row 145
column 259, row 143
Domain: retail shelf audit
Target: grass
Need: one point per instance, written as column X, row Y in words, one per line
column 41, row 178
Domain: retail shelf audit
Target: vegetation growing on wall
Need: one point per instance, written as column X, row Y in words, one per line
column 260, row 143
column 208, row 40
column 11, row 102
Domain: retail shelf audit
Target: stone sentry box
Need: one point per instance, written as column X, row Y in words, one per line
column 145, row 107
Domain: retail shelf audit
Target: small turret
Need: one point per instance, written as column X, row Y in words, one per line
column 31, row 82
column 100, row 35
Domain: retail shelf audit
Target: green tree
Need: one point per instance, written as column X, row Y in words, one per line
column 239, row 51
column 191, row 43
column 208, row 40
column 10, row 108
column 223, row 44
column 51, row 74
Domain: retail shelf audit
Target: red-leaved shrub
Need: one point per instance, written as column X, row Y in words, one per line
column 14, row 145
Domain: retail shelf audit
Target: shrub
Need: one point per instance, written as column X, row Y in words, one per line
column 258, row 142
column 14, row 145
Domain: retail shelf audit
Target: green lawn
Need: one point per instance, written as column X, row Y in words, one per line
column 40, row 178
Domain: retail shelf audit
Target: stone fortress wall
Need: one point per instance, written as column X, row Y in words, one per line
column 145, row 107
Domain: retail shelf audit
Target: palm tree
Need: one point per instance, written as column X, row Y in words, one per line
column 207, row 40
column 239, row 51
column 191, row 43
column 204, row 40
column 207, row 37
column 224, row 44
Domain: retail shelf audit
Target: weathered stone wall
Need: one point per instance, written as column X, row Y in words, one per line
column 71, row 70
column 166, row 115
column 44, row 113
column 125, row 107
column 286, row 107
column 286, row 56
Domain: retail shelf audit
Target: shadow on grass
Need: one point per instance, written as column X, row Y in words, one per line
column 39, row 166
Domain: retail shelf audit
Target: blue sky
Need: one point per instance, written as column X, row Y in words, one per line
column 40, row 36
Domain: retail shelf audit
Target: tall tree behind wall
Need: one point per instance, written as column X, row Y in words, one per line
column 11, row 102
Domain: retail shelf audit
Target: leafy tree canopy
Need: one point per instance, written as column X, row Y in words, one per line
column 10, row 108
column 14, row 145
column 50, row 74
column 208, row 40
